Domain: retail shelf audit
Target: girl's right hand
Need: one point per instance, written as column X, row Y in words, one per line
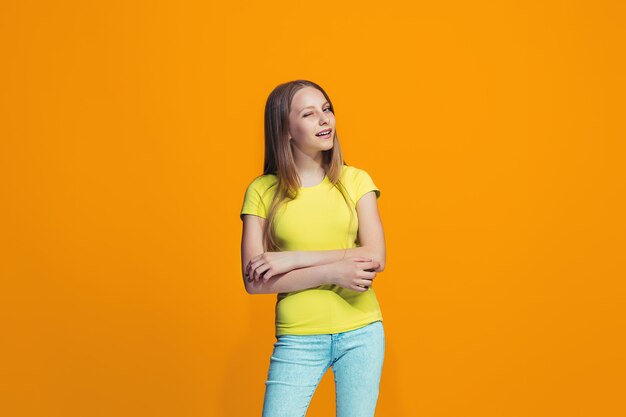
column 354, row 273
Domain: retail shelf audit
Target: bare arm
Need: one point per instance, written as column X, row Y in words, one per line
column 354, row 273
column 308, row 269
column 295, row 280
column 321, row 257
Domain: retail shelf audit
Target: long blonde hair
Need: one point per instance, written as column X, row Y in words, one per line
column 279, row 156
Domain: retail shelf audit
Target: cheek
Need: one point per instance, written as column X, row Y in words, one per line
column 295, row 126
column 306, row 127
column 303, row 129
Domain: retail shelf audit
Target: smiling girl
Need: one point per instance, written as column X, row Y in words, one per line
column 312, row 235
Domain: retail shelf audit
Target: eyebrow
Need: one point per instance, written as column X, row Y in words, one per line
column 304, row 108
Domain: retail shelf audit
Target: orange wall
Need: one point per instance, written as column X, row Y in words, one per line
column 495, row 131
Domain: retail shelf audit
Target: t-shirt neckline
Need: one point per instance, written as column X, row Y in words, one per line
column 326, row 180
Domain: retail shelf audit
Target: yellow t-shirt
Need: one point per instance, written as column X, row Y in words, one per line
column 317, row 219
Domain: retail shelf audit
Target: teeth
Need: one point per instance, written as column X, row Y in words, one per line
column 322, row 134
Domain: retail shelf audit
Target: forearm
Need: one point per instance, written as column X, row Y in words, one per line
column 294, row 280
column 308, row 258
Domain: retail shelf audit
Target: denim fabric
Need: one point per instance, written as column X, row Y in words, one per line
column 299, row 362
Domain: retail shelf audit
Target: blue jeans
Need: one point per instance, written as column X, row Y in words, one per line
column 298, row 363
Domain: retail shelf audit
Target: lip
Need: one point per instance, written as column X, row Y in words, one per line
column 325, row 130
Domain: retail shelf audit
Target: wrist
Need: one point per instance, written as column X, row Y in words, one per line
column 298, row 261
column 328, row 275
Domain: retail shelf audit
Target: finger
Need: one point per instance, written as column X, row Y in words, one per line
column 249, row 271
column 254, row 259
column 257, row 272
column 253, row 267
column 367, row 275
column 366, row 282
column 252, row 264
column 253, row 274
column 371, row 265
column 265, row 275
column 375, row 264
column 260, row 270
column 363, row 284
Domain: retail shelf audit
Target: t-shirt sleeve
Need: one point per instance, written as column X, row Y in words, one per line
column 363, row 184
column 252, row 201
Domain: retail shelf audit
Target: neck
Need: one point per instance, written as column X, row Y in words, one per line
column 308, row 165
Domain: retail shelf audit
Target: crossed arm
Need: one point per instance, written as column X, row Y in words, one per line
column 303, row 259
column 296, row 270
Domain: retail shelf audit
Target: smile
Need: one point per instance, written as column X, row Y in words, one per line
column 325, row 134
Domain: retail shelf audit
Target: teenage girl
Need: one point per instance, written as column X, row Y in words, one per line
column 312, row 235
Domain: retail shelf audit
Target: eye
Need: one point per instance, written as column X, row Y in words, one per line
column 308, row 114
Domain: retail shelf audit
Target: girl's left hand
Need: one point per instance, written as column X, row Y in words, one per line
column 268, row 264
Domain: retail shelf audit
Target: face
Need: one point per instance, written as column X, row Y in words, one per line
column 310, row 114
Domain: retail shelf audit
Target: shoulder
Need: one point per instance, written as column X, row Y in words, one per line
column 265, row 180
column 263, row 183
column 358, row 181
column 353, row 174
